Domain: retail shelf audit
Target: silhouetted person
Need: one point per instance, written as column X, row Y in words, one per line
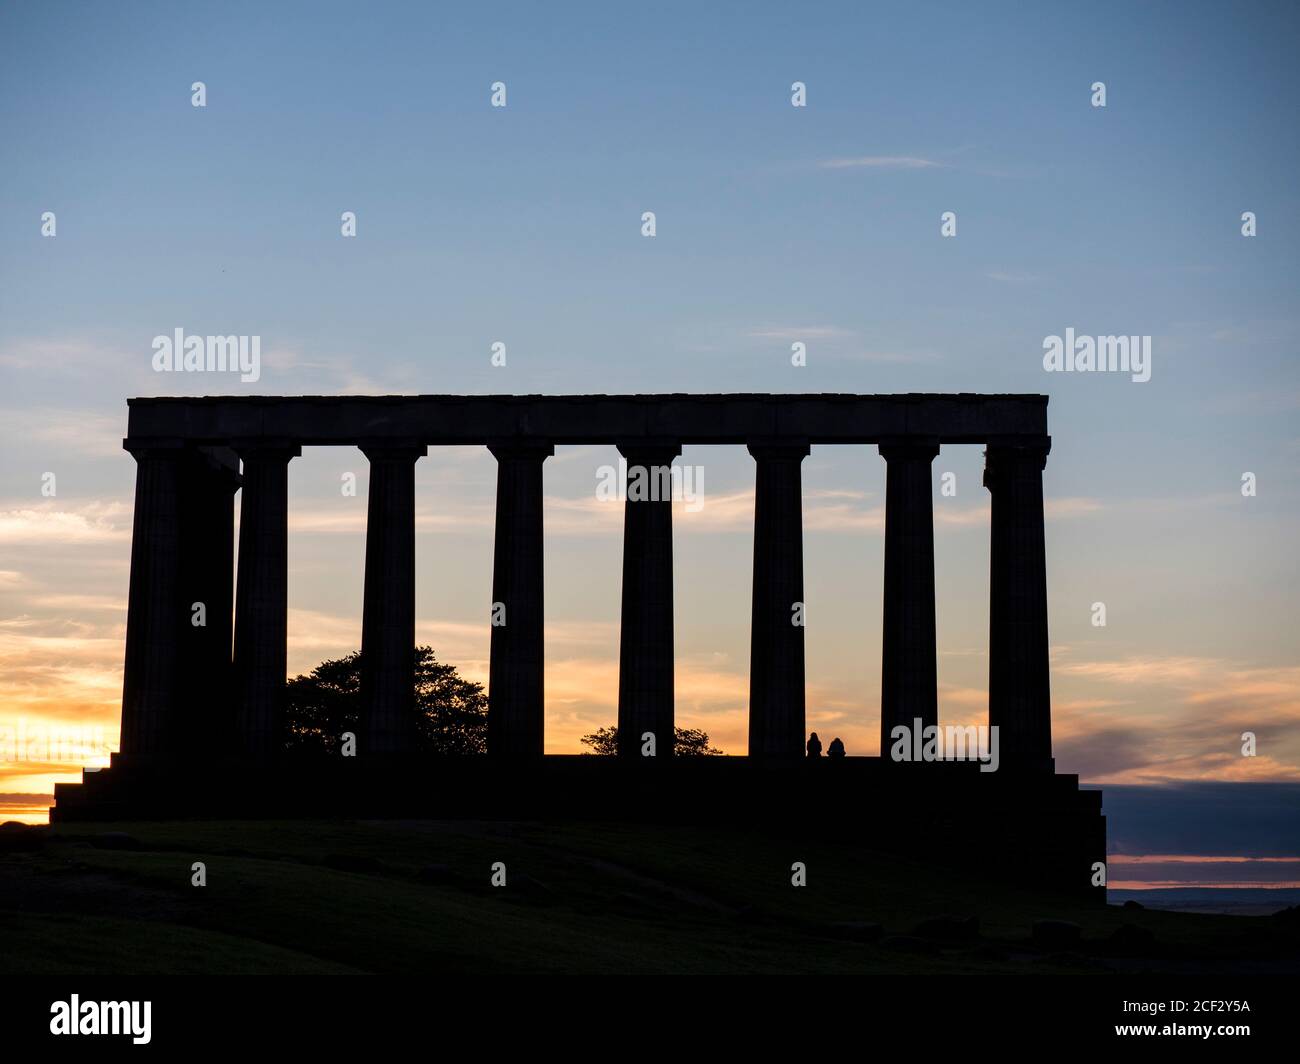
column 836, row 748
column 814, row 746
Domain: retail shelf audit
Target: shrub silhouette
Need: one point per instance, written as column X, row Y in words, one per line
column 687, row 742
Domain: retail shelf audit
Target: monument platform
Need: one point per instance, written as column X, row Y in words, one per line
column 1039, row 828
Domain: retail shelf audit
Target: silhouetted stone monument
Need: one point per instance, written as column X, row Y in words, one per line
column 187, row 699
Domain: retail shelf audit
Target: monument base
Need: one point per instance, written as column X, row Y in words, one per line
column 1038, row 828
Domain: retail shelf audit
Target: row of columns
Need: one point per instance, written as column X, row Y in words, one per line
column 180, row 677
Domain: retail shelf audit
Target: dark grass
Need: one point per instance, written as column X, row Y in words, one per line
column 415, row 898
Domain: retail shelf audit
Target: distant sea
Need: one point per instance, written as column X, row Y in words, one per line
column 1233, row 901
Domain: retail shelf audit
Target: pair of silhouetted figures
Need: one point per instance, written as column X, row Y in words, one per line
column 836, row 748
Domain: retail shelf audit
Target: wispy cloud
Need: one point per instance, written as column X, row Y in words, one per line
column 73, row 431
column 800, row 332
column 881, row 162
column 900, row 357
column 833, row 342
column 94, row 522
column 62, row 354
column 1176, row 717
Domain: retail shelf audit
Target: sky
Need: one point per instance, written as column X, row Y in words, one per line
column 774, row 225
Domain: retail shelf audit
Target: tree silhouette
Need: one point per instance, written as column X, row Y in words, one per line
column 687, row 742
column 451, row 712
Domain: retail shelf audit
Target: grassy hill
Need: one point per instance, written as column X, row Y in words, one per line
column 415, row 897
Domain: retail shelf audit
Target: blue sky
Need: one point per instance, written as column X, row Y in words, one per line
column 774, row 224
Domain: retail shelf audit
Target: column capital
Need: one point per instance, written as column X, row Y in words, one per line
column 393, row 450
column 1003, row 454
column 521, row 450
column 1028, row 448
column 154, row 447
column 908, row 448
column 647, row 452
column 788, row 448
column 269, row 448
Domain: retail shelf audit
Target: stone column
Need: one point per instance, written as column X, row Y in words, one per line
column 388, row 613
column 908, row 675
column 1020, row 703
column 645, row 676
column 516, row 683
column 261, row 597
column 776, row 649
column 154, row 619
column 210, row 479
